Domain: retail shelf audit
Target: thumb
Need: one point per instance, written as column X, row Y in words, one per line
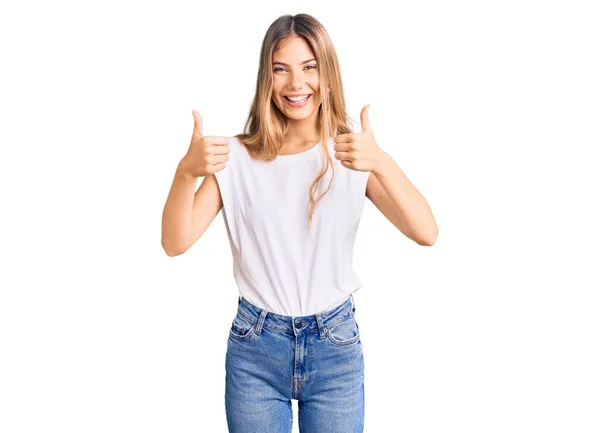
column 197, row 124
column 364, row 118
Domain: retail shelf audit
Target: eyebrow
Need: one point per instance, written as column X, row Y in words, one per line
column 284, row 64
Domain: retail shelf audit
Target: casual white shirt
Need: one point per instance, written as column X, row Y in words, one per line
column 276, row 264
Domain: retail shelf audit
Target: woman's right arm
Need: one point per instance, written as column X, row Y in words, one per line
column 187, row 215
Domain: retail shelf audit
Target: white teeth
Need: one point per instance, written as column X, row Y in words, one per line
column 297, row 98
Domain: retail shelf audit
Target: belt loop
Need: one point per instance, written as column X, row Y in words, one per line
column 239, row 299
column 261, row 320
column 319, row 317
column 353, row 306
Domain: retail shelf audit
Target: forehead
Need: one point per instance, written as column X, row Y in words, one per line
column 294, row 48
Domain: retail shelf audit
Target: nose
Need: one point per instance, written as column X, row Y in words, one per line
column 295, row 80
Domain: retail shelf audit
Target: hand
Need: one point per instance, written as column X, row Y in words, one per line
column 206, row 154
column 359, row 150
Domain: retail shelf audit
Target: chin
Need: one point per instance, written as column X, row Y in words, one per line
column 300, row 114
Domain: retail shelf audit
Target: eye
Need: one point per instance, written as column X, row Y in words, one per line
column 309, row 66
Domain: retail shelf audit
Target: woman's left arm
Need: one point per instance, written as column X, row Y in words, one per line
column 400, row 202
column 387, row 186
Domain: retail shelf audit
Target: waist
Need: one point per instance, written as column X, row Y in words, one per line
column 296, row 324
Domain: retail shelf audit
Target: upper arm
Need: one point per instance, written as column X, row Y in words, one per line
column 207, row 203
column 380, row 199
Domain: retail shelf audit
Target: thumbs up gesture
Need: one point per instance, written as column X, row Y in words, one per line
column 207, row 154
column 359, row 150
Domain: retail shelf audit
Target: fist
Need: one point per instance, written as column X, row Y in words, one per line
column 207, row 154
column 359, row 150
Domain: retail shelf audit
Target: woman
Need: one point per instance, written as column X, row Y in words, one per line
column 292, row 189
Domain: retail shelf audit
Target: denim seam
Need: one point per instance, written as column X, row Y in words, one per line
column 327, row 324
column 335, row 321
column 246, row 336
column 344, row 342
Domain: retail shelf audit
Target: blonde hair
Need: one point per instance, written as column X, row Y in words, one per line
column 266, row 125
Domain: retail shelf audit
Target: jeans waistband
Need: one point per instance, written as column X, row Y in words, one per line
column 261, row 318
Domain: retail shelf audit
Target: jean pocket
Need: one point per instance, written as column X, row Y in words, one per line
column 344, row 333
column 241, row 328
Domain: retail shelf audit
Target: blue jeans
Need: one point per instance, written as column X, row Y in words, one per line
column 317, row 360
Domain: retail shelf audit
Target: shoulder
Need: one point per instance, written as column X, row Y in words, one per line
column 234, row 143
column 237, row 147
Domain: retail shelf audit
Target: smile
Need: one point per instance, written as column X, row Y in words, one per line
column 297, row 101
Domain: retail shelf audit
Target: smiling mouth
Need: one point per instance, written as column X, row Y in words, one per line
column 296, row 99
column 297, row 103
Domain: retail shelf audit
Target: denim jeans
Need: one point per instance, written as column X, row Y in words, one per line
column 317, row 360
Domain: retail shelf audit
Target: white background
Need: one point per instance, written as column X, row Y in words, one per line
column 490, row 108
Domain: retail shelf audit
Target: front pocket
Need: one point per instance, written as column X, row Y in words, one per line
column 241, row 328
column 344, row 333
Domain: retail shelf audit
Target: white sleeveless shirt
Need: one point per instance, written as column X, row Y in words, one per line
column 276, row 264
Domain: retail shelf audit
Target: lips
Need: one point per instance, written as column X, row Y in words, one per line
column 295, row 96
column 301, row 103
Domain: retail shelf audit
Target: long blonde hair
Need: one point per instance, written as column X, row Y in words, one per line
column 266, row 125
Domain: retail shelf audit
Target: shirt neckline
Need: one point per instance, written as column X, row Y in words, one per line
column 299, row 155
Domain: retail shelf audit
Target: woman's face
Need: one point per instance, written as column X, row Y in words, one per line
column 295, row 73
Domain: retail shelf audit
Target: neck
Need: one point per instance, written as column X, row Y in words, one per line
column 302, row 132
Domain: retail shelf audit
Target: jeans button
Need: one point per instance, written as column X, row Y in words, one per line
column 298, row 325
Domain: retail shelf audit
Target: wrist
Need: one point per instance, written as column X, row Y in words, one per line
column 182, row 170
column 382, row 162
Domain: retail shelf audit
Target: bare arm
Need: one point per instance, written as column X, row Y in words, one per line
column 401, row 203
column 187, row 215
column 177, row 214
